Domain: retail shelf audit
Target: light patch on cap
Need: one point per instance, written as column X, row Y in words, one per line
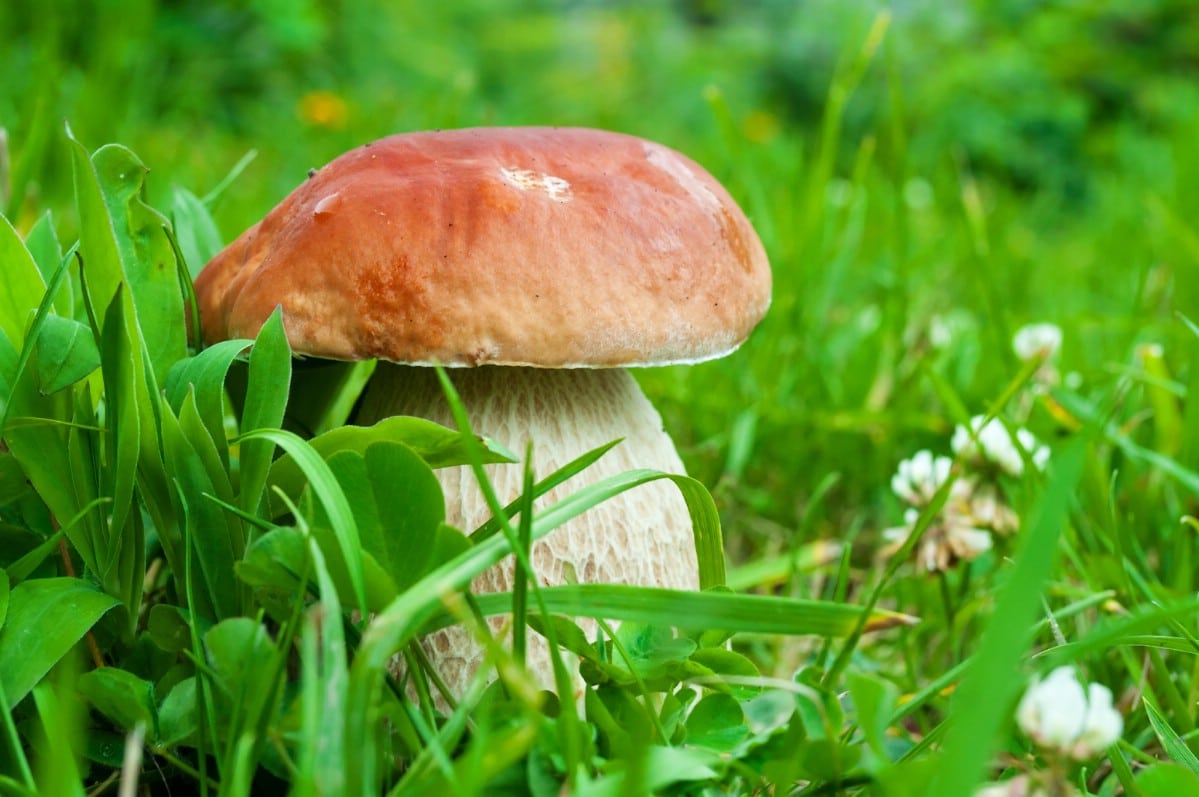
column 555, row 188
column 668, row 162
column 327, row 204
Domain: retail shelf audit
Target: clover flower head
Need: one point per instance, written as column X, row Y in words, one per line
column 991, row 441
column 1023, row 786
column 949, row 539
column 1033, row 341
column 917, row 479
column 1060, row 715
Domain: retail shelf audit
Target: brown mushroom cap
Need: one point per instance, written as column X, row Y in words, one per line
column 550, row 247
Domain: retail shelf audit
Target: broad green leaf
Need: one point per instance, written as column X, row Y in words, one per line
column 67, row 352
column 195, row 229
column 5, row 592
column 434, row 443
column 22, row 288
column 275, row 561
column 146, row 255
column 124, row 388
column 204, row 374
column 333, row 501
column 1167, row 780
column 721, row 662
column 239, row 651
column 718, row 723
column 266, row 401
column 13, row 484
column 874, row 701
column 189, row 481
column 121, row 696
column 660, row 768
column 169, row 628
column 569, row 635
column 399, row 506
column 215, row 536
column 46, row 249
column 178, row 715
column 46, row 617
column 97, row 236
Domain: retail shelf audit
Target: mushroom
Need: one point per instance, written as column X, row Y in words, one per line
column 540, row 263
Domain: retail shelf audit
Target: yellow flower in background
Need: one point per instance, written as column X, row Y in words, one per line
column 761, row 126
column 323, row 109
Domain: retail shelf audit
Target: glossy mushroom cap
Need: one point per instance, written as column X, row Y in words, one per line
column 550, row 247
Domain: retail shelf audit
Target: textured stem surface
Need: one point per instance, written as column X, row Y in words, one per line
column 642, row 537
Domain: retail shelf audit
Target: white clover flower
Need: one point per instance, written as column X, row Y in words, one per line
column 1024, row 786
column 995, row 444
column 950, row 538
column 1033, row 341
column 988, row 509
column 1058, row 714
column 918, row 479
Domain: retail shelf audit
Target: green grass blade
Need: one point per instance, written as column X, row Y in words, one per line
column 716, row 609
column 324, row 484
column 266, row 401
column 993, row 677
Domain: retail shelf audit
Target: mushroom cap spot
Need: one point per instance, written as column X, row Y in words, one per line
column 550, row 247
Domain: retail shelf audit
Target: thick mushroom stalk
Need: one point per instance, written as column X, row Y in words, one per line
column 641, row 537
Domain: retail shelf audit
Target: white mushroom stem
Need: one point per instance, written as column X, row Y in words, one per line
column 641, row 537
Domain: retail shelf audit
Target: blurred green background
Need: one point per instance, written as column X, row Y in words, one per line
column 926, row 176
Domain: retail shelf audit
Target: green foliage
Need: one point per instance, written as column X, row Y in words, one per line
column 926, row 179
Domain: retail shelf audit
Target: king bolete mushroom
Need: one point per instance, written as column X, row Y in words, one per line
column 539, row 263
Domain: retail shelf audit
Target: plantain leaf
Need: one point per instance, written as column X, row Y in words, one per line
column 121, row 696
column 146, row 256
column 46, row 617
column 67, row 352
column 21, row 289
column 42, row 242
column 195, row 229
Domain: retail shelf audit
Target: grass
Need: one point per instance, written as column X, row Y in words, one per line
column 923, row 190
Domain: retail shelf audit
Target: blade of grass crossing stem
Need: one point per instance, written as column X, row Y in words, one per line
column 993, row 678
column 755, row 614
column 520, row 585
column 266, row 400
column 404, row 617
column 571, row 733
column 577, row 465
column 337, row 508
column 705, row 521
